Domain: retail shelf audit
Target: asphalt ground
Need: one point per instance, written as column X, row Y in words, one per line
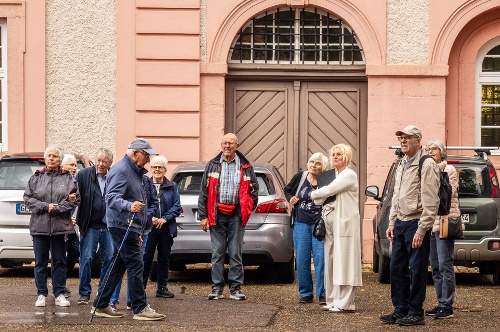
column 270, row 306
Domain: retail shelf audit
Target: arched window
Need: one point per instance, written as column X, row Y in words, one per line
column 296, row 36
column 488, row 94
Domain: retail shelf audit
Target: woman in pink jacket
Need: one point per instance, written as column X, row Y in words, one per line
column 441, row 251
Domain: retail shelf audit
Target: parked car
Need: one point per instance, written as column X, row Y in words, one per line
column 268, row 240
column 479, row 201
column 16, row 245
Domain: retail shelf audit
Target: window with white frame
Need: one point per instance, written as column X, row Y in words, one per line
column 488, row 95
column 296, row 36
column 3, row 85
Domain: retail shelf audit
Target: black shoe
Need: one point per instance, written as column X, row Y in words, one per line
column 433, row 311
column 391, row 318
column 84, row 299
column 322, row 300
column 306, row 299
column 66, row 292
column 444, row 313
column 164, row 292
column 410, row 321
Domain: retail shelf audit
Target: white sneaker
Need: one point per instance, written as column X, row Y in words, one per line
column 40, row 302
column 327, row 307
column 61, row 301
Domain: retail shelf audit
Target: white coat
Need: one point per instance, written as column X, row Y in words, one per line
column 346, row 226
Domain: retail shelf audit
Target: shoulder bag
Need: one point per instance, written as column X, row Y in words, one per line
column 450, row 228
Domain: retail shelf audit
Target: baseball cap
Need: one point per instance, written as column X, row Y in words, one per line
column 410, row 130
column 142, row 144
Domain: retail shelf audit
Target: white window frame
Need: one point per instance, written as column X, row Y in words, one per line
column 483, row 79
column 3, row 78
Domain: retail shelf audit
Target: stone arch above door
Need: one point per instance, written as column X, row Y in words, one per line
column 369, row 38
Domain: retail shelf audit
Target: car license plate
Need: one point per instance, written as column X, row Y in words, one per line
column 22, row 209
column 465, row 218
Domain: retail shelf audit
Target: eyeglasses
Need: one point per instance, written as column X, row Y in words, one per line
column 144, row 153
column 157, row 167
column 405, row 138
column 434, row 148
column 228, row 143
column 70, row 165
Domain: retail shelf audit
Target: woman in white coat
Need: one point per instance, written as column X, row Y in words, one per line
column 343, row 232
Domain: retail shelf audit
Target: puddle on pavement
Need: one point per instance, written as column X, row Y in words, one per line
column 34, row 317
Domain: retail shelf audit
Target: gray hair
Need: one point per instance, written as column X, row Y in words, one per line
column 159, row 159
column 325, row 165
column 105, row 153
column 440, row 146
column 53, row 148
column 66, row 158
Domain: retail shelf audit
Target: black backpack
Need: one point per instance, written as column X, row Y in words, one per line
column 444, row 191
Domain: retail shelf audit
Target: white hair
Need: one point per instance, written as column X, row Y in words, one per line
column 66, row 158
column 324, row 160
column 53, row 148
column 159, row 159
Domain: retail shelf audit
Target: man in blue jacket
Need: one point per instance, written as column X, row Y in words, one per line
column 90, row 220
column 125, row 198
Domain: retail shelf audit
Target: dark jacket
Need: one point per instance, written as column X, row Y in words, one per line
column 248, row 194
column 170, row 205
column 152, row 202
column 47, row 186
column 87, row 184
column 124, row 186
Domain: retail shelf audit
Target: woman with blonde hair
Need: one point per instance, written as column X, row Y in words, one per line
column 343, row 232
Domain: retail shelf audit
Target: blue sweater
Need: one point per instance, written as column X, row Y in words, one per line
column 124, row 186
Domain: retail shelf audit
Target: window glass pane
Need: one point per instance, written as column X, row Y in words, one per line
column 491, row 64
column 490, row 116
column 490, row 94
column 494, row 51
column 490, row 136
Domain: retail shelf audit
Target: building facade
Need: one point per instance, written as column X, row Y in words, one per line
column 290, row 77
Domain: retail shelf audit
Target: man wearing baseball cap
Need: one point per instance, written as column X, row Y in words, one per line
column 125, row 197
column 415, row 203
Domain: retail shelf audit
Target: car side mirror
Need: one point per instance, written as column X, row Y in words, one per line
column 372, row 191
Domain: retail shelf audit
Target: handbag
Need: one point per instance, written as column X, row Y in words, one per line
column 450, row 228
column 319, row 230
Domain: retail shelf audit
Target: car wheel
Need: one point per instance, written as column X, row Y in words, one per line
column 376, row 259
column 153, row 274
column 496, row 274
column 95, row 269
column 384, row 269
column 285, row 272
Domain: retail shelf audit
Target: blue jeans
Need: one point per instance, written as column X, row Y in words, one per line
column 409, row 269
column 443, row 271
column 128, row 259
column 305, row 244
column 227, row 235
column 56, row 245
column 88, row 248
column 116, row 293
column 161, row 239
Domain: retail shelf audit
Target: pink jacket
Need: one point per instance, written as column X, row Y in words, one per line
column 454, row 209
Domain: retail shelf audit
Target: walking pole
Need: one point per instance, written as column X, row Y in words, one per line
column 111, row 268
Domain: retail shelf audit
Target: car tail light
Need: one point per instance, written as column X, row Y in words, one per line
column 494, row 182
column 494, row 245
column 275, row 206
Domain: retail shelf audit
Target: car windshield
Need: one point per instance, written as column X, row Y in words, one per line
column 189, row 183
column 15, row 174
column 474, row 180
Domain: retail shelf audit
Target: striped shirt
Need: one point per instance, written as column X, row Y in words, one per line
column 229, row 180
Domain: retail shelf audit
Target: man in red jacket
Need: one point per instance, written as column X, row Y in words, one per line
column 229, row 193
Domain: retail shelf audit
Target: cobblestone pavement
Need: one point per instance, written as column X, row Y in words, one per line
column 269, row 306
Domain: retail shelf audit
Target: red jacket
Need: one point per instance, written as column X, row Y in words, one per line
column 209, row 195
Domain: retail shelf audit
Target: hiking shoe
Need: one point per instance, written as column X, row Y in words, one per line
column 433, row 311
column 61, row 301
column 236, row 294
column 148, row 313
column 40, row 302
column 410, row 321
column 164, row 292
column 216, row 294
column 305, row 299
column 444, row 313
column 391, row 318
column 322, row 300
column 84, row 299
column 129, row 305
column 114, row 306
column 106, row 312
